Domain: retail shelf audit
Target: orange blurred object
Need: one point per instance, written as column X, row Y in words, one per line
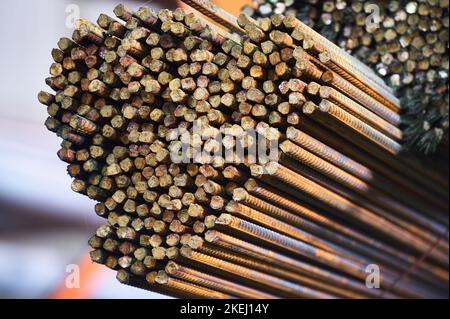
column 91, row 276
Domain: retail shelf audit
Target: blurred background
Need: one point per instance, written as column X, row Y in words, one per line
column 44, row 226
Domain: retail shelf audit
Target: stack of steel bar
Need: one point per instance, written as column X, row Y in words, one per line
column 134, row 97
column 405, row 41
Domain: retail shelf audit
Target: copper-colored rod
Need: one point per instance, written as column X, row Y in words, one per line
column 356, row 199
column 265, row 255
column 216, row 13
column 329, row 57
column 300, row 248
column 335, row 117
column 341, row 58
column 275, row 197
column 309, row 68
column 345, row 87
column 292, row 153
column 209, row 281
column 283, row 200
column 262, row 278
column 283, row 242
column 391, row 161
column 337, row 122
column 427, row 171
column 321, row 149
column 349, row 85
column 378, row 95
column 387, row 99
column 325, row 56
column 360, row 112
column 353, row 167
column 300, row 197
column 125, row 277
column 166, row 281
column 328, row 66
column 217, row 34
column 372, row 208
column 243, row 196
column 379, row 169
column 218, row 30
column 251, row 263
column 303, row 156
column 333, row 200
column 338, row 55
column 291, row 23
column 257, row 217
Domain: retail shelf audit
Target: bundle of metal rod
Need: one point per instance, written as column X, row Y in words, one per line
column 404, row 41
column 166, row 119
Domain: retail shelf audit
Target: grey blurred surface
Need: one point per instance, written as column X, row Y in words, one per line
column 44, row 226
